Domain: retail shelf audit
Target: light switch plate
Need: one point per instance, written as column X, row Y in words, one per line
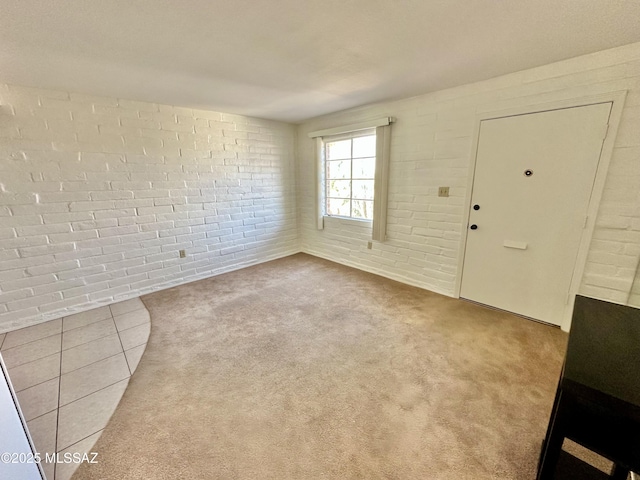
column 443, row 191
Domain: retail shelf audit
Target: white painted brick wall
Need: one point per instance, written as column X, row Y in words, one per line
column 431, row 147
column 98, row 195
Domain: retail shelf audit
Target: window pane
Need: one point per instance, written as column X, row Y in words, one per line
column 338, row 150
column 350, row 169
column 339, row 206
column 339, row 169
column 362, row 209
column 364, row 168
column 363, row 189
column 339, row 188
column 364, row 146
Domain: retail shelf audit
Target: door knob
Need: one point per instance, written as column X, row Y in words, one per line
column 476, row 207
column 474, row 227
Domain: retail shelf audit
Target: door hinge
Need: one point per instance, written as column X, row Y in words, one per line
column 586, row 221
column 605, row 132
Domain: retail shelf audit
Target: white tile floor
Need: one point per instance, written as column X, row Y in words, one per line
column 70, row 374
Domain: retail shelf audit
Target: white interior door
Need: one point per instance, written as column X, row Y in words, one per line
column 533, row 179
column 18, row 454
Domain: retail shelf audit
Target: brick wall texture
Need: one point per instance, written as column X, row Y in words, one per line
column 99, row 195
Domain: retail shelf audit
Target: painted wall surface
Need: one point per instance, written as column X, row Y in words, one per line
column 431, row 147
column 98, row 195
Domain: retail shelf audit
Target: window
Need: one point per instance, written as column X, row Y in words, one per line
column 350, row 170
column 352, row 162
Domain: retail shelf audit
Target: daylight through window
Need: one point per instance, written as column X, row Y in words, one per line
column 350, row 167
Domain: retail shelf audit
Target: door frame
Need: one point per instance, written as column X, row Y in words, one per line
column 617, row 99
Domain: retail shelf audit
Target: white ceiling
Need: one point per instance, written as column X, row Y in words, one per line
column 294, row 59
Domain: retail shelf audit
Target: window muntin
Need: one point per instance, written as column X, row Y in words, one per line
column 350, row 165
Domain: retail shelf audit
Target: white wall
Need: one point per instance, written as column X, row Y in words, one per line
column 431, row 145
column 98, row 195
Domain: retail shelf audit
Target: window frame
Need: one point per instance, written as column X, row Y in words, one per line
column 370, row 132
column 381, row 185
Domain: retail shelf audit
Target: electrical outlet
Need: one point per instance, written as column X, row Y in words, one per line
column 183, row 253
column 443, row 191
column 369, row 245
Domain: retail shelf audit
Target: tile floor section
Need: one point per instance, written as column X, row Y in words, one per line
column 70, row 374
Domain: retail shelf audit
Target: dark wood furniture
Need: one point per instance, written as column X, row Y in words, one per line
column 597, row 403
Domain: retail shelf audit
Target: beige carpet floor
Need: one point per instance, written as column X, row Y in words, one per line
column 304, row 369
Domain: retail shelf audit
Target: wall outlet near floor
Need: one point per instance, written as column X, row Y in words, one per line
column 443, row 191
column 183, row 253
column 369, row 245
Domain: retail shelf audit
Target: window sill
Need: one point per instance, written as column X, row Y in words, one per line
column 362, row 222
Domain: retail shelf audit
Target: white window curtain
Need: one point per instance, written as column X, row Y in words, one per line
column 320, row 183
column 383, row 148
column 381, row 183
